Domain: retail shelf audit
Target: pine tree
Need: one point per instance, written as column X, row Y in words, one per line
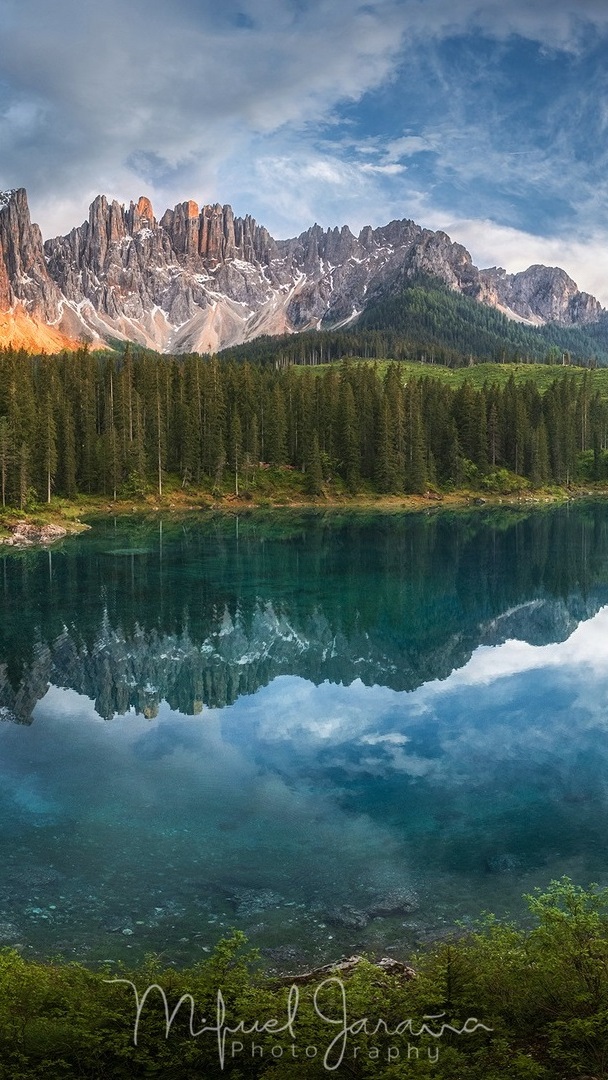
column 453, row 457
column 66, row 476
column 314, row 470
column 160, row 434
column 539, row 463
column 275, row 436
column 190, row 460
column 47, row 433
column 348, row 436
column 493, row 429
column 386, row 470
column 24, row 475
column 6, row 454
column 415, row 446
column 236, row 447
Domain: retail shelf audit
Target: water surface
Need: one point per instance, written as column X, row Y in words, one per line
column 335, row 732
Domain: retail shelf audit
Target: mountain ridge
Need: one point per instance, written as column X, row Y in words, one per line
column 202, row 279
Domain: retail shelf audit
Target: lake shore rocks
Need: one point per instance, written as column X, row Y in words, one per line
column 28, row 534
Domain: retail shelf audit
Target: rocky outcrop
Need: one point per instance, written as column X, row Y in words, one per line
column 23, row 274
column 31, row 303
column 539, row 295
column 387, row 965
column 27, row 534
column 24, row 534
column 200, row 279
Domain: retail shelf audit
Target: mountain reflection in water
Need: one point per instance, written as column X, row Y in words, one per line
column 335, row 732
column 199, row 613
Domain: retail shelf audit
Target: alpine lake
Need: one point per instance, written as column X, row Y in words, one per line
column 337, row 732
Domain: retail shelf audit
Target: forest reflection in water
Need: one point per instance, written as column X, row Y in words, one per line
column 335, row 732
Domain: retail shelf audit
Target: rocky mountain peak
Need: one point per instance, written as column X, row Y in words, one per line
column 539, row 295
column 201, row 278
column 23, row 272
column 144, row 210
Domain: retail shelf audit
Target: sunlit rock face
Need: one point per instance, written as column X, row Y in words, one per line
column 31, row 303
column 200, row 279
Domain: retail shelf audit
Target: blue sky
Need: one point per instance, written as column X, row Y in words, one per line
column 486, row 119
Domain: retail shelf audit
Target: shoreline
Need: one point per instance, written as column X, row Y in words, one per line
column 46, row 524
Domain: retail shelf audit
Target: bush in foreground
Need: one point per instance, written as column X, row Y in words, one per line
column 499, row 1002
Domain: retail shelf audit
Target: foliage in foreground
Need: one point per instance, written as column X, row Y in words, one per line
column 500, row 1002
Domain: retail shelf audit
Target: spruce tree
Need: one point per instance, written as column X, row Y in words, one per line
column 415, row 444
column 348, row 436
column 386, row 471
column 314, row 470
column 6, row 455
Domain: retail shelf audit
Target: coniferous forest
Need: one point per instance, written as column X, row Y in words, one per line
column 83, row 423
column 426, row 321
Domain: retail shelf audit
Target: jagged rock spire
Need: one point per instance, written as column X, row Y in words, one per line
column 203, row 278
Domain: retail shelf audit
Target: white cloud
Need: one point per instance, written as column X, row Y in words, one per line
column 291, row 708
column 299, row 188
column 410, row 144
column 206, row 101
column 387, row 170
column 585, row 650
column 554, row 23
column 179, row 87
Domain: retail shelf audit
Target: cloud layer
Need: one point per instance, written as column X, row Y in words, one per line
column 485, row 117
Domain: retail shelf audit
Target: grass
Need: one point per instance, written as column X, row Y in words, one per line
column 478, row 374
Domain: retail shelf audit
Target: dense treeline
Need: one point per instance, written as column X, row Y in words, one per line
column 81, row 423
column 500, row 1002
column 428, row 322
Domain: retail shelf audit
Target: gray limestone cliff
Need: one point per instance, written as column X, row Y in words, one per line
column 539, row 294
column 200, row 279
column 24, row 277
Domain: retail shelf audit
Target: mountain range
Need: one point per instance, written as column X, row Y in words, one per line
column 199, row 280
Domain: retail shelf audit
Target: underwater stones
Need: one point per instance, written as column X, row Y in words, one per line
column 503, row 863
column 371, row 904
column 282, row 955
column 33, row 877
column 253, row 901
column 349, row 917
column 396, row 902
column 9, row 933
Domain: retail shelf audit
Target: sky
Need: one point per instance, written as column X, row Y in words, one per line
column 485, row 118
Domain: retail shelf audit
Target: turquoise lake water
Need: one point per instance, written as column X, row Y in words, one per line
column 335, row 732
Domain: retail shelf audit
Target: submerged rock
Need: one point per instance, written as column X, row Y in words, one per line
column 395, row 901
column 371, row 904
column 348, row 916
